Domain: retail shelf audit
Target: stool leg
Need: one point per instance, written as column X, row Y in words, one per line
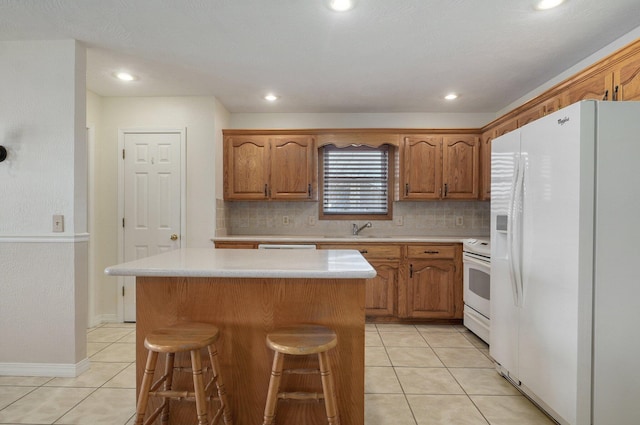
column 328, row 387
column 274, row 387
column 147, row 378
column 168, row 371
column 222, row 391
column 198, row 386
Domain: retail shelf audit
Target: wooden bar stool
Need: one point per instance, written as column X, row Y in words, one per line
column 301, row 340
column 191, row 337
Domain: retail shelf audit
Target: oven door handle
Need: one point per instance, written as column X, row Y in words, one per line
column 475, row 261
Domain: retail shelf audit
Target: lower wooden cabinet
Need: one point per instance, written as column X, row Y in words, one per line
column 413, row 282
column 433, row 287
column 380, row 298
column 381, row 291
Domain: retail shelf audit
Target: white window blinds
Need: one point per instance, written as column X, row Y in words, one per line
column 355, row 180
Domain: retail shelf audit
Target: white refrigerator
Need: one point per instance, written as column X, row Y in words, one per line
column 565, row 262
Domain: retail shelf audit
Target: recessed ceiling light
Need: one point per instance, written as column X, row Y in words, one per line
column 451, row 96
column 548, row 4
column 271, row 97
column 341, row 5
column 124, row 76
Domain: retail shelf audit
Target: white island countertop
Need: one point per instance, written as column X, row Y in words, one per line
column 250, row 263
column 320, row 239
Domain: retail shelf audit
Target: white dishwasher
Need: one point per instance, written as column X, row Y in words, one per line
column 285, row 246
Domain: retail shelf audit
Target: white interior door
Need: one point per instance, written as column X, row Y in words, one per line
column 152, row 201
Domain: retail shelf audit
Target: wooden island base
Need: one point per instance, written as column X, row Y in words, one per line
column 245, row 310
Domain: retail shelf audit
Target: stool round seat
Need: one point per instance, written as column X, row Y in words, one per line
column 191, row 338
column 182, row 337
column 301, row 340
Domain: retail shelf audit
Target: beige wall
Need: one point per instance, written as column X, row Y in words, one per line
column 43, row 285
column 199, row 116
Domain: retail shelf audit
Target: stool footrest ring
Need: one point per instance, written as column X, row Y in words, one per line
column 302, row 371
column 301, row 396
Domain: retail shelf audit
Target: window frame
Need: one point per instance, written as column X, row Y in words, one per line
column 391, row 174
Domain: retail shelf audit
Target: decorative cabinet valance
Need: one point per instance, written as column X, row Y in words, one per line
column 374, row 140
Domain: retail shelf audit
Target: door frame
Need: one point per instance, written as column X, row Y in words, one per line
column 183, row 194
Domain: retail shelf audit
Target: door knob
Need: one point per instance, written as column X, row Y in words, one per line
column 174, row 237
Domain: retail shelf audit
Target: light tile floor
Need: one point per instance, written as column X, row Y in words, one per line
column 414, row 375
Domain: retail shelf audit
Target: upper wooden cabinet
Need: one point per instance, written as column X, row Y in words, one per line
column 597, row 86
column 258, row 167
column 246, row 167
column 293, row 168
column 439, row 167
column 626, row 79
column 421, row 167
column 485, row 164
column 530, row 115
column 550, row 105
column 460, row 167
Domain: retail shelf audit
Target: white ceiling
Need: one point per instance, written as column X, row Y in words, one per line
column 383, row 56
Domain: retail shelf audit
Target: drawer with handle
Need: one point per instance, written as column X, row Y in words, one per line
column 369, row 250
column 431, row 251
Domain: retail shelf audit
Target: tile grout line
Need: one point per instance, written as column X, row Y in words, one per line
column 404, row 394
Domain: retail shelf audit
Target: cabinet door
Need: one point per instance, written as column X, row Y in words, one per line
column 627, row 80
column 506, row 127
column 460, row 163
column 431, row 289
column 485, row 164
column 292, row 168
column 597, row 86
column 421, row 174
column 530, row 115
column 380, row 298
column 551, row 105
column 246, row 167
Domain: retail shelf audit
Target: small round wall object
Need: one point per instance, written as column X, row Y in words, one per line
column 3, row 153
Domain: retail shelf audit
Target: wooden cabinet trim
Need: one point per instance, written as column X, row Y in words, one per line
column 376, row 251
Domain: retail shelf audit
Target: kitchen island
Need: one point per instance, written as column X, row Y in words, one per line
column 247, row 293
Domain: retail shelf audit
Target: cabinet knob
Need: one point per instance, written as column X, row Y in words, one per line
column 364, row 251
column 432, row 252
column 174, row 237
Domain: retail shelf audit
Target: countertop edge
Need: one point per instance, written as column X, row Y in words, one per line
column 319, row 239
column 240, row 275
column 249, row 264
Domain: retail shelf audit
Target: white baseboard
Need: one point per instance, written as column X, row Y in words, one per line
column 103, row 318
column 57, row 370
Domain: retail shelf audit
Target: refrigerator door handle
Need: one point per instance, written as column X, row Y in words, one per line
column 510, row 232
column 516, row 244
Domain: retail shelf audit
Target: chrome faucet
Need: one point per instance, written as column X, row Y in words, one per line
column 357, row 229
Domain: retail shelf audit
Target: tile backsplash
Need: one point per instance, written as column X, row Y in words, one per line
column 436, row 218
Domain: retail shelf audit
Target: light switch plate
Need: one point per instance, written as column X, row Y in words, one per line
column 58, row 223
